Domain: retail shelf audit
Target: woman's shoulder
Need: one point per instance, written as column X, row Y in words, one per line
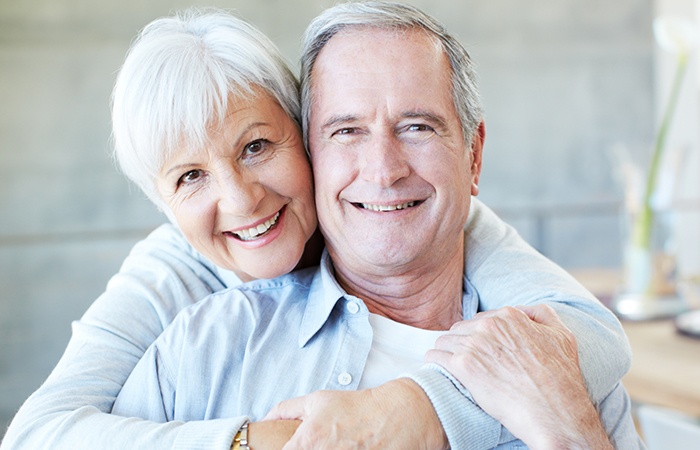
column 166, row 238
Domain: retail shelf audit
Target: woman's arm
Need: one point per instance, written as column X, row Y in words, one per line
column 505, row 271
column 161, row 276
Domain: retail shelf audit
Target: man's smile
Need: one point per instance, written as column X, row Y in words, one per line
column 381, row 208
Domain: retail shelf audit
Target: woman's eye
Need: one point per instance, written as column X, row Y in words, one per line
column 190, row 177
column 256, row 147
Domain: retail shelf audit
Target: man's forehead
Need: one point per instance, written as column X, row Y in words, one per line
column 363, row 52
column 368, row 37
column 360, row 65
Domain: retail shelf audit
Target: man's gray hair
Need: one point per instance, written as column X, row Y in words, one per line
column 391, row 16
column 176, row 82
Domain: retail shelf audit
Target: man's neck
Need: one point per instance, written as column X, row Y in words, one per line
column 428, row 297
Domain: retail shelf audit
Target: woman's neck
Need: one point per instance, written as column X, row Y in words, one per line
column 312, row 251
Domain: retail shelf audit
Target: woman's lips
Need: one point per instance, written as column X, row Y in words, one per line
column 258, row 231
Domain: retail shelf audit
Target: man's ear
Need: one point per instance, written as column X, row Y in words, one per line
column 476, row 156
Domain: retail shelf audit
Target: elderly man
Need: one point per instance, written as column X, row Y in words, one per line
column 396, row 156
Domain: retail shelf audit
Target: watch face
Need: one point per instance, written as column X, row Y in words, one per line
column 688, row 323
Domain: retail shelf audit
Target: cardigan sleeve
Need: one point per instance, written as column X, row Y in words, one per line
column 161, row 276
column 506, row 271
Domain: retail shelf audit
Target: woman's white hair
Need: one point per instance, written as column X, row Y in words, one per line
column 176, row 81
column 392, row 16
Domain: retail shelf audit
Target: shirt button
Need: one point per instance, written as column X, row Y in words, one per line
column 353, row 307
column 344, row 379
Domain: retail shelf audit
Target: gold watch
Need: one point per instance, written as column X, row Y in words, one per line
column 240, row 441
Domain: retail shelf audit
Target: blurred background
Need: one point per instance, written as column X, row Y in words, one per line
column 563, row 84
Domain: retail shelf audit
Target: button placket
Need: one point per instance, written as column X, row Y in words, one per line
column 344, row 379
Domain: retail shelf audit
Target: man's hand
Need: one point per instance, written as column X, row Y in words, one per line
column 397, row 415
column 521, row 367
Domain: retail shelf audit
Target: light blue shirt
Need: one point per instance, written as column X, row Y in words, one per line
column 164, row 274
column 241, row 351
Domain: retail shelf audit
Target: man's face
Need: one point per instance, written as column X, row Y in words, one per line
column 393, row 175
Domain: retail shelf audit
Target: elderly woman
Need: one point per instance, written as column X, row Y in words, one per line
column 207, row 123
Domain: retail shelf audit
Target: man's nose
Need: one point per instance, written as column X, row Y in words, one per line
column 240, row 192
column 382, row 160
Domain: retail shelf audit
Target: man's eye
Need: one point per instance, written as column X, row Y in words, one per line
column 255, row 147
column 419, row 127
column 190, row 177
column 344, row 131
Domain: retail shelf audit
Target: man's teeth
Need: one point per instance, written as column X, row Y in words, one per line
column 252, row 233
column 387, row 207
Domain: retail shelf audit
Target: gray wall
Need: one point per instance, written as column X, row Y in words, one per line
column 562, row 82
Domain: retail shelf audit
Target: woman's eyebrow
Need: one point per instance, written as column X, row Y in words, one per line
column 179, row 167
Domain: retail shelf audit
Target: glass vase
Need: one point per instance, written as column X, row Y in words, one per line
column 649, row 266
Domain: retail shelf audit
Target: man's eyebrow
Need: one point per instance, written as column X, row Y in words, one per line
column 336, row 120
column 427, row 115
column 437, row 120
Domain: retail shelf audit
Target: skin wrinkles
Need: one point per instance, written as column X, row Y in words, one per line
column 439, row 124
column 387, row 138
column 262, row 129
column 253, row 166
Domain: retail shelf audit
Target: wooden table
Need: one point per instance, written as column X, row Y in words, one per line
column 665, row 366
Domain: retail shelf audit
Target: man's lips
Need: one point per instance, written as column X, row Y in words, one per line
column 387, row 207
column 256, row 232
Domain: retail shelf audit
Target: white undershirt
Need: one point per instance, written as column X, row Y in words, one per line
column 397, row 349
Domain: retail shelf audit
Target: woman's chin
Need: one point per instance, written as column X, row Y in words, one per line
column 269, row 271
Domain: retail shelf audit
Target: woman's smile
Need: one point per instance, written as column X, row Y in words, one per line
column 254, row 232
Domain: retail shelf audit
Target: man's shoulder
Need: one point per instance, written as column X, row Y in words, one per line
column 234, row 315
column 299, row 280
column 258, row 294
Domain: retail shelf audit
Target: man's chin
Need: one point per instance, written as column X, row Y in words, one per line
column 378, row 256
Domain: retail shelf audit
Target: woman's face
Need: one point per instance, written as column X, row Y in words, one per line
column 246, row 200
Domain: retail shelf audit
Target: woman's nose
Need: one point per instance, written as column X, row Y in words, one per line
column 240, row 193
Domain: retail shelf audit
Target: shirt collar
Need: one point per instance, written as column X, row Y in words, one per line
column 470, row 299
column 324, row 294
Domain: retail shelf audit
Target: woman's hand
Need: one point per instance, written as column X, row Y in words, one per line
column 396, row 415
column 271, row 434
column 521, row 367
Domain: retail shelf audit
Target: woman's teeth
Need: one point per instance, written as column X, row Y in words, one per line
column 252, row 233
column 387, row 207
